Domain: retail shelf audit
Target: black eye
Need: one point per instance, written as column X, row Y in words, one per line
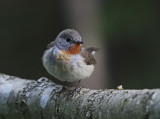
column 68, row 39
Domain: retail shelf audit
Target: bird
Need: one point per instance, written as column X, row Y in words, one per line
column 67, row 59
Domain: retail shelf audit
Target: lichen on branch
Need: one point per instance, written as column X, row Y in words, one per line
column 43, row 99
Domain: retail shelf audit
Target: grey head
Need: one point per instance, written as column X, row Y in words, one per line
column 66, row 39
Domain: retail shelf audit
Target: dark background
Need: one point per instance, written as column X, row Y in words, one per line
column 131, row 32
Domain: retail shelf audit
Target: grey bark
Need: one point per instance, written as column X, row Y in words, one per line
column 43, row 99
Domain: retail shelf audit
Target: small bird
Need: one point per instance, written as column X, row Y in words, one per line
column 67, row 59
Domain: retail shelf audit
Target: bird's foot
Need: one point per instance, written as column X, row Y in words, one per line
column 63, row 89
column 75, row 90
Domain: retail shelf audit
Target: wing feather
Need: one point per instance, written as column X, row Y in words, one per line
column 51, row 44
column 89, row 58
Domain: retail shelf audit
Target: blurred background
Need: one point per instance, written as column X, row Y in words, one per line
column 127, row 33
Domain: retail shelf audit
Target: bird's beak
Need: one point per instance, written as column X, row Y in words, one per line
column 79, row 42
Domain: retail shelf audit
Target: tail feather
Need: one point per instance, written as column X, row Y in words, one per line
column 92, row 50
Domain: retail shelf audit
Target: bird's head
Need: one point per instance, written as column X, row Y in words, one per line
column 69, row 41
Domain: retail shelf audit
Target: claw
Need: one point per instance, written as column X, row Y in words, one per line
column 63, row 88
column 77, row 89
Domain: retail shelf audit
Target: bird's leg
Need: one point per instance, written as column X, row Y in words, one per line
column 64, row 87
column 77, row 88
column 78, row 84
column 65, row 83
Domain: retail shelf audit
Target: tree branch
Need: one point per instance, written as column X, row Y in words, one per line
column 43, row 99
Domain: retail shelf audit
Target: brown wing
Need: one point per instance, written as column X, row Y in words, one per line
column 89, row 58
column 51, row 44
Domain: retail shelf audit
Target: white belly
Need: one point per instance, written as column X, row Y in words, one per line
column 69, row 70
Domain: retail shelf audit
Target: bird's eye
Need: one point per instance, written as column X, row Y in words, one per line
column 68, row 39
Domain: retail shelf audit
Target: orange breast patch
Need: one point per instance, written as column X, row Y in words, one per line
column 76, row 49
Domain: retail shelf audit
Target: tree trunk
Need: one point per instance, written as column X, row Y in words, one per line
column 43, row 99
